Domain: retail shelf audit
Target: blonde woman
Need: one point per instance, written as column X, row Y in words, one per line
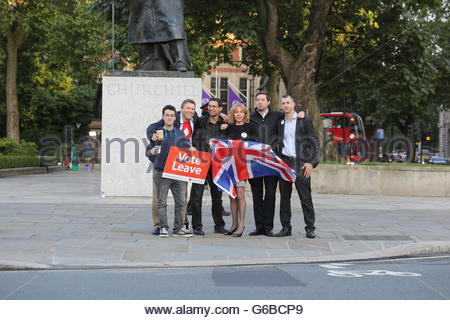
column 239, row 127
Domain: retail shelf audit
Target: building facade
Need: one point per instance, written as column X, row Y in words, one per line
column 218, row 80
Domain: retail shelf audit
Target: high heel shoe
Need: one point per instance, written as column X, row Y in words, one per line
column 229, row 233
column 238, row 235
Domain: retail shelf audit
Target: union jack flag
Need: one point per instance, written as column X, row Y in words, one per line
column 235, row 160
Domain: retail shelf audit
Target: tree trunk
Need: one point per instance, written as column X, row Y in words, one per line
column 274, row 90
column 14, row 40
column 299, row 73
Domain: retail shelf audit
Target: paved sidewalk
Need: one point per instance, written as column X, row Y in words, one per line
column 59, row 220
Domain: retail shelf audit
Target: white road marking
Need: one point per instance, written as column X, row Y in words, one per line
column 336, row 270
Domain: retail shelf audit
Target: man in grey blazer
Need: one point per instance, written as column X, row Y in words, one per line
column 298, row 146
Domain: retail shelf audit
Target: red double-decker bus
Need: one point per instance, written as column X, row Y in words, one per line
column 346, row 129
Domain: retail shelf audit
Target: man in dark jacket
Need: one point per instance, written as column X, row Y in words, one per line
column 264, row 204
column 209, row 127
column 157, row 28
column 298, row 146
column 172, row 137
column 186, row 120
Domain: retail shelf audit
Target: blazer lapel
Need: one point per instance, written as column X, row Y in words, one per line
column 281, row 134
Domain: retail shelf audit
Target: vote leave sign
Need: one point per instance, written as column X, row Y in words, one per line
column 185, row 165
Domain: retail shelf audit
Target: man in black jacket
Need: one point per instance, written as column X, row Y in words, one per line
column 264, row 204
column 298, row 146
column 208, row 127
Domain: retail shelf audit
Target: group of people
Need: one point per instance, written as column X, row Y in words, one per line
column 290, row 134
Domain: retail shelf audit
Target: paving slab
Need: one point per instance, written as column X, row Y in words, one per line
column 70, row 225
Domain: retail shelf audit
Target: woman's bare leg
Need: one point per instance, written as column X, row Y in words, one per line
column 234, row 213
column 242, row 205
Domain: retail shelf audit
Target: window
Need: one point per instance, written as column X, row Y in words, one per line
column 220, row 85
column 213, row 86
column 327, row 123
column 340, row 122
column 224, row 92
column 243, row 88
column 244, row 54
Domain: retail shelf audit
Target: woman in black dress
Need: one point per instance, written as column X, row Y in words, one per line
column 239, row 127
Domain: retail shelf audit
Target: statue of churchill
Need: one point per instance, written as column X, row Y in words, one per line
column 157, row 28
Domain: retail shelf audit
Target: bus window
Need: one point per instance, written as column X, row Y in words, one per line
column 327, row 123
column 339, row 122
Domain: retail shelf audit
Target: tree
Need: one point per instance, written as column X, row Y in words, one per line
column 13, row 19
column 291, row 45
column 385, row 59
column 18, row 17
column 58, row 65
column 299, row 71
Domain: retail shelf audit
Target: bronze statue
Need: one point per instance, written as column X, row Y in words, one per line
column 157, row 28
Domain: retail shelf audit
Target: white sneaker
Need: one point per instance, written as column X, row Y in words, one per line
column 163, row 233
column 183, row 233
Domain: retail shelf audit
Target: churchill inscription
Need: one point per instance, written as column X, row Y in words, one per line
column 158, row 89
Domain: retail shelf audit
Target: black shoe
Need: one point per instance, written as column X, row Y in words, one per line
column 221, row 230
column 229, row 233
column 156, row 231
column 199, row 232
column 238, row 235
column 225, row 213
column 285, row 232
column 310, row 234
column 256, row 232
column 268, row 233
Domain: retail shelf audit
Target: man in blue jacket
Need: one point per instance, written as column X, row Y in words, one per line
column 172, row 137
column 188, row 121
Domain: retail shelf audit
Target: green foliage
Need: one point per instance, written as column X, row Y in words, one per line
column 18, row 161
column 388, row 62
column 9, row 147
column 126, row 56
column 215, row 29
column 26, row 149
column 58, row 66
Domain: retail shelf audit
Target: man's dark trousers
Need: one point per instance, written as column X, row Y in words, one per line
column 303, row 186
column 196, row 199
column 264, row 207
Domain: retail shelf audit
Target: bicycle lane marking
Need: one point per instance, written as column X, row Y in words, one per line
column 338, row 270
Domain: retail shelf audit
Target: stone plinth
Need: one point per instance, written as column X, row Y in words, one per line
column 132, row 101
column 416, row 181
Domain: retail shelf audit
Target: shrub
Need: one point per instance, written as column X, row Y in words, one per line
column 7, row 145
column 18, row 161
column 26, row 149
column 10, row 147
